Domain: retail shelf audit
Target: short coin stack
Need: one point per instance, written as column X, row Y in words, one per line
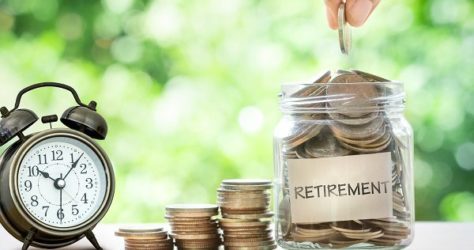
column 246, row 217
column 145, row 238
column 194, row 226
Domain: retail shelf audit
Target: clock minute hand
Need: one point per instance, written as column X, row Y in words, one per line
column 73, row 166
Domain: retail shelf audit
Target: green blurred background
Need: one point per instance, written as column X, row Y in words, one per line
column 190, row 87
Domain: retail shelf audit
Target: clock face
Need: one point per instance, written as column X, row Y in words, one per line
column 62, row 182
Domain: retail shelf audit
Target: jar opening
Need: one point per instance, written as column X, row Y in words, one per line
column 345, row 98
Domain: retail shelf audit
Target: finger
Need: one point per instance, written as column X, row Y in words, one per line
column 357, row 11
column 375, row 2
column 331, row 12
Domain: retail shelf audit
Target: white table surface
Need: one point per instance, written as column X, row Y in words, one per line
column 428, row 236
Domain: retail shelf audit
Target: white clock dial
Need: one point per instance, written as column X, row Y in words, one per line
column 62, row 182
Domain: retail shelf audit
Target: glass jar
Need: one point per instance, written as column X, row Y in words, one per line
column 343, row 157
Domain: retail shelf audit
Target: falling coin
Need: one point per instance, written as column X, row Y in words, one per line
column 344, row 31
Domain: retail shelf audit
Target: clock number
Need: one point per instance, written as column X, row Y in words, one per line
column 83, row 168
column 57, row 155
column 75, row 211
column 28, row 185
column 72, row 158
column 33, row 171
column 60, row 214
column 42, row 159
column 34, row 201
column 84, row 199
column 89, row 183
column 46, row 209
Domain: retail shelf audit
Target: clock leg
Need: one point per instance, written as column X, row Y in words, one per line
column 91, row 237
column 28, row 240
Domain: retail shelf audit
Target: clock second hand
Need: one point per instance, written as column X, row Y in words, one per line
column 60, row 214
column 70, row 196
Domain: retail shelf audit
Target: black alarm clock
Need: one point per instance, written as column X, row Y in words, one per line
column 57, row 184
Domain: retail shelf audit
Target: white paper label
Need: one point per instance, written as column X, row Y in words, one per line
column 341, row 188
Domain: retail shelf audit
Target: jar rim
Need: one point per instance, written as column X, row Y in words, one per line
column 292, row 84
column 314, row 97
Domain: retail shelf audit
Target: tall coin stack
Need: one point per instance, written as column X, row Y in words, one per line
column 246, row 216
column 194, row 226
column 346, row 130
column 145, row 238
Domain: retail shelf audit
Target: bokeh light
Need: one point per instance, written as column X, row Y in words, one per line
column 189, row 88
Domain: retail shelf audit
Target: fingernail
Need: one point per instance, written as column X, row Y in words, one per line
column 358, row 12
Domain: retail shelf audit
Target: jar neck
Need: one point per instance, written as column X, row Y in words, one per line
column 348, row 99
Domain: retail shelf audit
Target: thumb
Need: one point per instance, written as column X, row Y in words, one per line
column 357, row 11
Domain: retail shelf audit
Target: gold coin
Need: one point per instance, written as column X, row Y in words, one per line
column 142, row 235
column 194, row 236
column 191, row 208
column 149, row 241
column 227, row 224
column 250, row 187
column 249, row 244
column 191, row 214
column 179, row 218
column 140, row 229
column 269, row 247
column 246, row 182
column 248, row 216
column 244, row 211
column 247, row 236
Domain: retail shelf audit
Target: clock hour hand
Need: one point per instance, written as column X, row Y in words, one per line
column 46, row 175
column 73, row 166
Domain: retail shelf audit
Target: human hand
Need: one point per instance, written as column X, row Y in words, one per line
column 357, row 11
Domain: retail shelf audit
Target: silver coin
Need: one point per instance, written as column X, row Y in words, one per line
column 246, row 182
column 364, row 150
column 344, row 31
column 370, row 77
column 304, row 132
column 362, row 141
column 353, row 120
column 376, row 146
column 323, row 78
column 308, row 91
column 353, row 100
column 374, row 128
column 284, row 215
column 324, row 145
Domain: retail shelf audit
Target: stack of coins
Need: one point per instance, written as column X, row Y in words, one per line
column 145, row 238
column 194, row 226
column 246, row 216
column 350, row 123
